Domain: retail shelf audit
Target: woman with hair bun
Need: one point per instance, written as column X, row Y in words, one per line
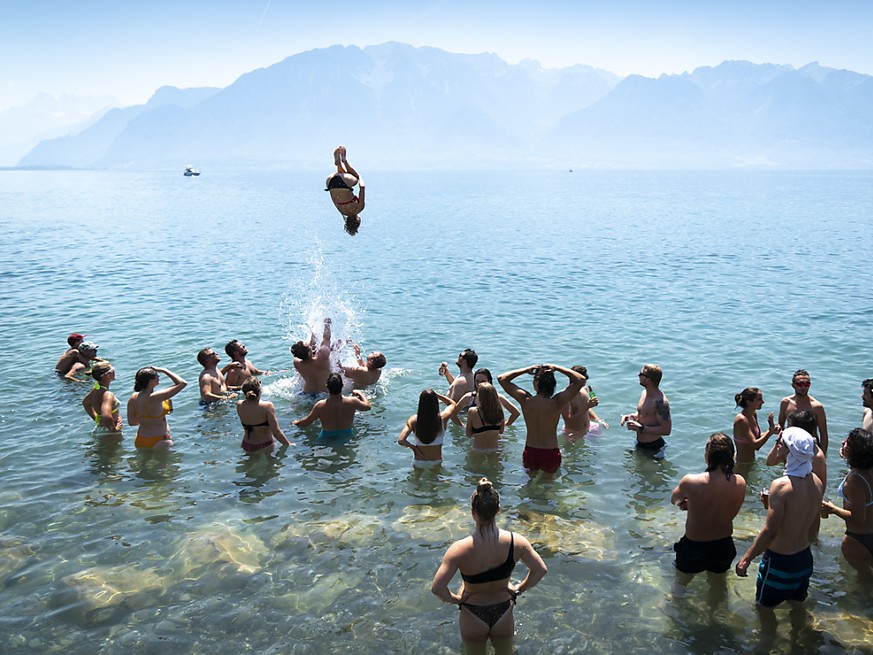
column 486, row 560
column 747, row 432
column 101, row 404
column 258, row 418
column 148, row 408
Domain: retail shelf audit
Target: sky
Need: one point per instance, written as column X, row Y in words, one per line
column 127, row 50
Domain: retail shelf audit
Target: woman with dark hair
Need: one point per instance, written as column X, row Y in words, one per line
column 485, row 421
column 469, row 399
column 101, row 404
column 341, row 186
column 258, row 418
column 486, row 560
column 148, row 407
column 542, row 411
column 423, row 432
column 747, row 433
column 857, row 510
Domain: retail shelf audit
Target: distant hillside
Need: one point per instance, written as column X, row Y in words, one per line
column 397, row 106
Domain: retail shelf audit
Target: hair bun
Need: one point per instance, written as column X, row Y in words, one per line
column 484, row 485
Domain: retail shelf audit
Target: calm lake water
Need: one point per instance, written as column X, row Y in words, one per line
column 724, row 279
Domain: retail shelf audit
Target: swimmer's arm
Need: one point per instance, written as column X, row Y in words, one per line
column 783, row 412
column 206, row 393
column 857, row 495
column 169, row 392
column 403, row 439
column 325, row 336
column 577, row 381
column 776, row 455
column 537, row 568
column 132, row 416
column 822, row 427
column 274, row 425
column 230, row 366
column 314, row 413
column 107, row 418
column 447, row 373
column 361, row 195
column 449, row 411
column 506, row 381
column 88, row 409
column 468, row 426
column 440, row 585
column 362, row 404
column 680, row 494
column 775, row 515
column 514, row 412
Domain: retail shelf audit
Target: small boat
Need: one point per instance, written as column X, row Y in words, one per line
column 190, row 171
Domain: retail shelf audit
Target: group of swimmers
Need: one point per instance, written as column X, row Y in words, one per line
column 487, row 557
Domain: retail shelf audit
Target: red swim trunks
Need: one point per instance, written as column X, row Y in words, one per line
column 547, row 459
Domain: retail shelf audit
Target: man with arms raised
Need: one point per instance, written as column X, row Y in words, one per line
column 867, row 399
column 212, row 385
column 542, row 411
column 313, row 364
column 652, row 421
column 235, row 376
column 794, row 504
column 801, row 400
column 365, row 373
column 336, row 412
column 458, row 386
column 712, row 500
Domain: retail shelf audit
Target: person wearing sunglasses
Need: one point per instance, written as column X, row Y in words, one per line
column 802, row 401
column 652, row 421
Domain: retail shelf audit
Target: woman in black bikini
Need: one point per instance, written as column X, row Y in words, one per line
column 341, row 187
column 485, row 421
column 258, row 418
column 486, row 560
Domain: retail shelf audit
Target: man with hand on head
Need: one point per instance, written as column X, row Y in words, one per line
column 794, row 505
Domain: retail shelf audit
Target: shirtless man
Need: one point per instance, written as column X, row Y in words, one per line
column 213, row 387
column 77, row 359
column 542, row 411
column 313, row 364
column 336, row 412
column 712, row 500
column 464, row 383
column 801, row 400
column 341, row 186
column 867, row 399
column 365, row 373
column 652, row 421
column 577, row 413
column 795, row 502
column 236, row 376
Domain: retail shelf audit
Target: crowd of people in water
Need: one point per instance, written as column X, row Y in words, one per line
column 486, row 559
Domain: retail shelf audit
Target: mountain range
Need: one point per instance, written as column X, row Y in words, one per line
column 399, row 106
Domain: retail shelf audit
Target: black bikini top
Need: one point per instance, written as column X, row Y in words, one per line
column 484, row 428
column 499, row 572
column 249, row 427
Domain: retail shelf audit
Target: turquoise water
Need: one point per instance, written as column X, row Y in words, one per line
column 724, row 279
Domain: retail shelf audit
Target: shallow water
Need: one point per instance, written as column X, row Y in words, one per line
column 725, row 279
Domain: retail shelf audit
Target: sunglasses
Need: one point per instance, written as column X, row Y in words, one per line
column 802, row 384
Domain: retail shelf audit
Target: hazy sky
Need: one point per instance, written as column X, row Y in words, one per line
column 129, row 49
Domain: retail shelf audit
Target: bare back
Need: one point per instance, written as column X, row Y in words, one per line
column 795, row 505
column 713, row 501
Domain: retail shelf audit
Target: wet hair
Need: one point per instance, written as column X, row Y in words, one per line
column 143, row 377
column 251, row 388
column 484, row 371
column 805, row 420
column 744, row 397
column 201, row 356
column 654, row 373
column 352, row 224
column 488, row 405
column 719, row 453
column 867, row 385
column 335, row 383
column 232, row 346
column 544, row 380
column 583, row 370
column 99, row 369
column 485, row 501
column 301, row 351
column 379, row 360
column 428, row 423
column 859, row 449
column 470, row 357
column 801, row 372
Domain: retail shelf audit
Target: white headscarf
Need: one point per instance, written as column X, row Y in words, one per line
column 801, row 449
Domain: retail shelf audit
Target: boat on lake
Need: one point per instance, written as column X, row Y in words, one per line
column 190, row 171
